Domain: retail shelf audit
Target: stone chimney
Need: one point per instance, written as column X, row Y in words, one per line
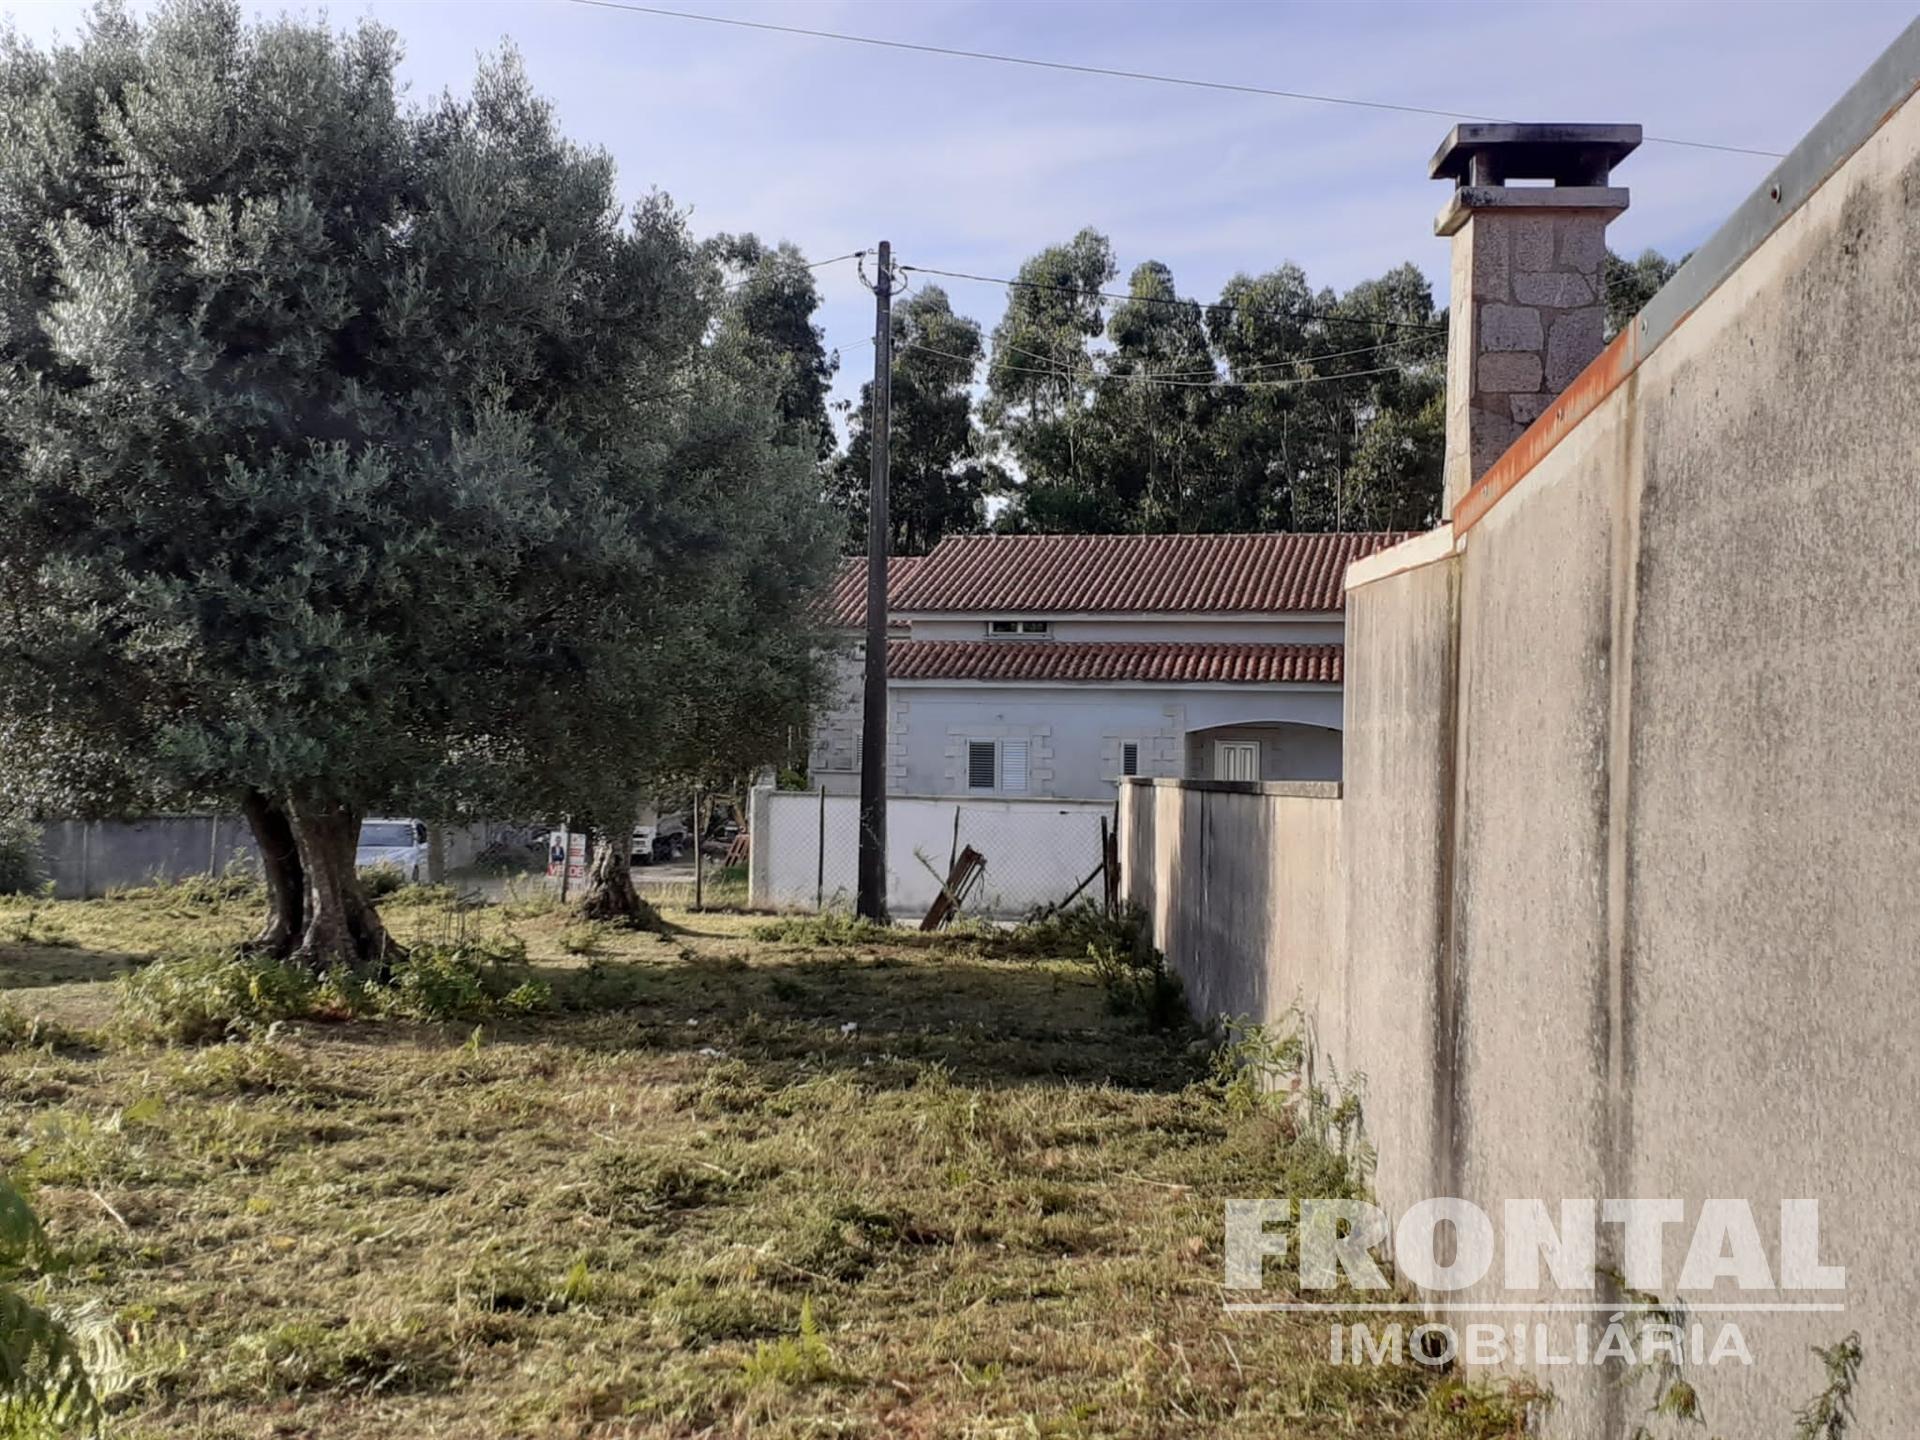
column 1529, row 298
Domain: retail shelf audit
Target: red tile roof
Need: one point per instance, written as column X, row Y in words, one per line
column 1147, row 574
column 1162, row 662
column 847, row 598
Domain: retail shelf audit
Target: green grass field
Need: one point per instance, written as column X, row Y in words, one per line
column 730, row 1186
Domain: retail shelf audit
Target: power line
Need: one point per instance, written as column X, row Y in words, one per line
column 686, row 388
column 1245, row 369
column 1176, row 300
column 1186, row 80
column 1218, row 382
column 1306, row 359
column 809, row 265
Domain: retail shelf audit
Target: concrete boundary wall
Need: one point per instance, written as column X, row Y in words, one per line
column 1231, row 876
column 1631, row 817
column 87, row 858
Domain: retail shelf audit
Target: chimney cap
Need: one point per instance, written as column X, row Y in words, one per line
column 1566, row 154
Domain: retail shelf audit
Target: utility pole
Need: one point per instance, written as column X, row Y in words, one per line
column 872, row 903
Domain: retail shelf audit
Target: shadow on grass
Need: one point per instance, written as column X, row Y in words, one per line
column 710, row 923
column 884, row 1019
column 893, row 1007
column 30, row 965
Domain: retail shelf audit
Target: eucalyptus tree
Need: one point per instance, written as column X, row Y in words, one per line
column 1631, row 283
column 938, row 475
column 344, row 449
column 1341, row 401
column 767, row 309
column 1154, row 407
column 1276, row 407
column 1041, row 376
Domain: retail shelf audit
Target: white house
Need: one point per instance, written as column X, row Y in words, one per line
column 834, row 756
column 1051, row 665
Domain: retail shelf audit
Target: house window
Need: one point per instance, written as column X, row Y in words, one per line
column 1017, row 627
column 1236, row 760
column 998, row 765
column 1130, row 758
column 980, row 766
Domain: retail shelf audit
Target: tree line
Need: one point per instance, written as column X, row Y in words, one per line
column 1276, row 406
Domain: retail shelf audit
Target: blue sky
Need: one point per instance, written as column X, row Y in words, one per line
column 972, row 166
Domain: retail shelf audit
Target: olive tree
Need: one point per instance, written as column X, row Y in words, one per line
column 353, row 457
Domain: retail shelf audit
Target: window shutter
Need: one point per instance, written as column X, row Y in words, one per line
column 1013, row 765
column 980, row 765
column 1130, row 758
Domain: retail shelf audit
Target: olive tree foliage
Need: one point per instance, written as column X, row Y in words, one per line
column 746, row 677
column 353, row 458
column 739, row 667
column 45, row 1385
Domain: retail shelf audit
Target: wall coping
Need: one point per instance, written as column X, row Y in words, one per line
column 1426, row 549
column 1869, row 103
column 1286, row 789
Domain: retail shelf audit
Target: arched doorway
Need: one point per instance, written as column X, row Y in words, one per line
column 1268, row 750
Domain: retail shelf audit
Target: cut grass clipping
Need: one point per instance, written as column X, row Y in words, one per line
column 662, row 1187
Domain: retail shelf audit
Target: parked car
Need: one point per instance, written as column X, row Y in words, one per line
column 399, row 844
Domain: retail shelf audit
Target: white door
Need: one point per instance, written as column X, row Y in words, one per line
column 1236, row 759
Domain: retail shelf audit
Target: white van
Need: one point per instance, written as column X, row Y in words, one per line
column 662, row 839
column 398, row 844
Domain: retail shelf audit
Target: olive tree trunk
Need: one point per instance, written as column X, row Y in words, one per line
column 343, row 927
column 611, row 893
column 286, row 878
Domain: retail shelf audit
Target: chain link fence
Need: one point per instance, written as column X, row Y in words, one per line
column 1032, row 854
